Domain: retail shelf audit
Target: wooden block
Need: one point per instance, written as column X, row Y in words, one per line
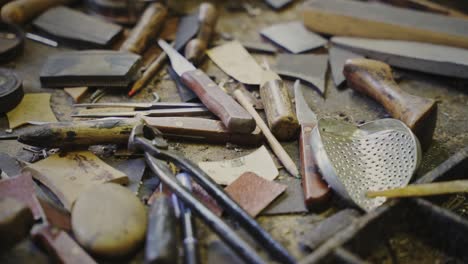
column 375, row 20
column 76, row 93
column 69, row 175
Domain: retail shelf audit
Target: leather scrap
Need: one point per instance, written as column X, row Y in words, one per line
column 76, row 93
column 21, row 188
column 338, row 57
column 56, row 217
column 206, row 199
column 69, row 175
column 309, row 68
column 34, row 107
column 291, row 202
column 253, row 193
column 293, row 36
column 236, row 62
column 226, row 171
column 16, row 219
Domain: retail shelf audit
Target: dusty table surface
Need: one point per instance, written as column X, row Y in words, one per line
column 451, row 133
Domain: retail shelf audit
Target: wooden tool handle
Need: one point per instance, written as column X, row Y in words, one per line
column 278, row 109
column 207, row 17
column 374, row 78
column 316, row 190
column 146, row 29
column 60, row 245
column 233, row 116
column 274, row 144
column 22, row 11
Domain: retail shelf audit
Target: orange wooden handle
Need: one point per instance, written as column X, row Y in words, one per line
column 22, row 11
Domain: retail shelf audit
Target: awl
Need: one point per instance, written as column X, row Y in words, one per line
column 314, row 187
column 233, row 116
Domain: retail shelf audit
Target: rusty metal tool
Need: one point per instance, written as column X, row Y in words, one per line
column 278, row 107
column 316, row 190
column 282, row 155
column 193, row 111
column 234, row 117
column 22, row 11
column 143, row 106
column 207, row 18
column 151, row 21
column 142, row 138
column 374, row 78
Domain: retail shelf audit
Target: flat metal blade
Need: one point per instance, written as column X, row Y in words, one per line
column 179, row 63
column 303, row 112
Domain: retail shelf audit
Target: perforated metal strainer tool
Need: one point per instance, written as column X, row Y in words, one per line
column 378, row 155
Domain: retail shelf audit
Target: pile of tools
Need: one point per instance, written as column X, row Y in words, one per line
column 74, row 198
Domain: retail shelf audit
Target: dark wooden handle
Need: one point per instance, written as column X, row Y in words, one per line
column 233, row 116
column 374, row 78
column 22, row 11
column 316, row 190
column 146, row 30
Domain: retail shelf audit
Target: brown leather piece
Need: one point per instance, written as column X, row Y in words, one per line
column 206, row 199
column 253, row 193
column 55, row 216
column 21, row 188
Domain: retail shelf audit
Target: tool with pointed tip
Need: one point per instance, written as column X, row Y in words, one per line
column 234, row 117
column 195, row 111
column 316, row 190
column 142, row 106
column 374, row 78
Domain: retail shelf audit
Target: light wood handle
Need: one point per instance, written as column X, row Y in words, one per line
column 23, row 11
column 437, row 188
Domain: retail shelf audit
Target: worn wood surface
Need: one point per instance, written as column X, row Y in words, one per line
column 451, row 132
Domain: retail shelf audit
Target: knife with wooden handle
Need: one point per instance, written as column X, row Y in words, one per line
column 316, row 190
column 233, row 116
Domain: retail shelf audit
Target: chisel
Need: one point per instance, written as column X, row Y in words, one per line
column 234, row 117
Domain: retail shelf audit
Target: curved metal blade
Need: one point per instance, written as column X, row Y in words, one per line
column 303, row 112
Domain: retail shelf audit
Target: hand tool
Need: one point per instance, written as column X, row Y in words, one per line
column 234, row 117
column 11, row 90
column 381, row 21
column 42, row 40
column 193, row 111
column 161, row 238
column 378, row 155
column 83, row 133
column 374, row 78
column 282, row 155
column 98, row 68
column 118, row 11
column 416, row 190
column 419, row 56
column 191, row 255
column 293, row 36
column 150, row 22
column 137, row 141
column 207, row 18
column 76, row 29
column 16, row 219
column 143, row 106
column 22, row 11
column 316, row 190
column 11, row 41
column 278, row 107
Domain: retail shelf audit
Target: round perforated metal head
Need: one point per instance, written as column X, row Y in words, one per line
column 378, row 155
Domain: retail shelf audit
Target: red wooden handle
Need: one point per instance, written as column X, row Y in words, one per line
column 233, row 116
column 316, row 190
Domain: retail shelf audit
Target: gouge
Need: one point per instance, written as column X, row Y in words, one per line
column 22, row 11
column 374, row 78
column 233, row 116
column 146, row 29
column 207, row 17
column 316, row 190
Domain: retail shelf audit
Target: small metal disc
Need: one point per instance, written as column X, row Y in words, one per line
column 11, row 90
column 11, row 41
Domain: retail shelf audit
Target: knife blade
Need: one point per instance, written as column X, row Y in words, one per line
column 233, row 116
column 316, row 191
column 196, row 111
column 141, row 106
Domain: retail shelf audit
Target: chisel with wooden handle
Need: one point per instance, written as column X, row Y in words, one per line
column 146, row 29
column 207, row 17
column 233, row 116
column 117, row 131
column 374, row 78
column 22, row 11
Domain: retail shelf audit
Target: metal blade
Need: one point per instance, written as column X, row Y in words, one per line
column 304, row 114
column 179, row 63
column 196, row 111
column 165, row 105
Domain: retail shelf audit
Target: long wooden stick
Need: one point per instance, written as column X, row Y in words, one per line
column 282, row 155
column 460, row 186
